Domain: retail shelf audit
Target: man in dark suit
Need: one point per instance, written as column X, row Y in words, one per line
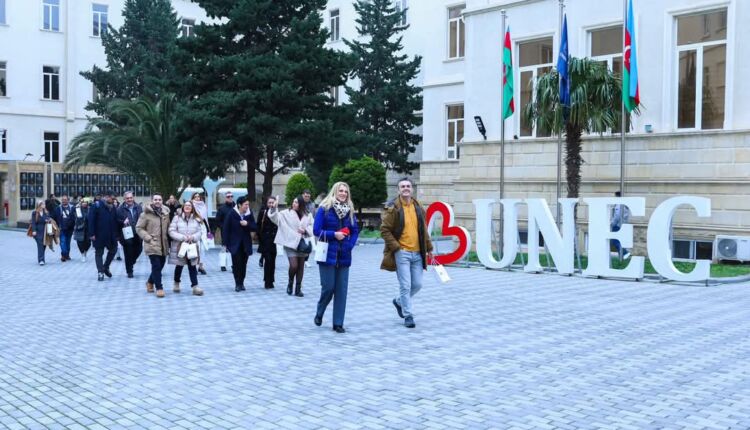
column 103, row 229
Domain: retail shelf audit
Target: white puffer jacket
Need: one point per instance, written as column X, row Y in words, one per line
column 180, row 230
column 289, row 223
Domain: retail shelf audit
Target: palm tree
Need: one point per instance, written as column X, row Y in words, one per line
column 135, row 137
column 595, row 107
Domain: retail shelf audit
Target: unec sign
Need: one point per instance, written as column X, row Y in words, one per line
column 561, row 244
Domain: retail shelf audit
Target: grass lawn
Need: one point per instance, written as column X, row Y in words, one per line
column 723, row 270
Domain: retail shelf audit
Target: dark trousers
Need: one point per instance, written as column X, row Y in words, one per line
column 269, row 265
column 157, row 263
column 65, row 238
column 132, row 249
column 334, row 282
column 111, row 251
column 39, row 247
column 192, row 271
column 239, row 266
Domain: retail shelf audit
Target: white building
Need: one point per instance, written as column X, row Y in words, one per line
column 693, row 136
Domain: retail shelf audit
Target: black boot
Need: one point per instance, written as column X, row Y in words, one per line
column 289, row 288
column 298, row 291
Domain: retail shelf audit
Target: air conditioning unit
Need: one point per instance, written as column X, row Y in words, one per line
column 735, row 248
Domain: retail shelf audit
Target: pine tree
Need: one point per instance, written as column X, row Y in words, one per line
column 139, row 54
column 386, row 100
column 259, row 78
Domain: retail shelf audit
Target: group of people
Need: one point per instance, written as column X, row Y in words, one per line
column 166, row 231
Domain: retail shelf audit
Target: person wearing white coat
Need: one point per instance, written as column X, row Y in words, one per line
column 186, row 227
column 295, row 225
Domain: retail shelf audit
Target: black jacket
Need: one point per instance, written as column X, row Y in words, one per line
column 266, row 231
column 221, row 214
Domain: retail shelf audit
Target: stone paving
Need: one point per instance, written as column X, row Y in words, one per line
column 491, row 350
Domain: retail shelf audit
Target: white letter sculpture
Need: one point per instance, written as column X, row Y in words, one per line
column 483, row 231
column 659, row 249
column 560, row 247
column 600, row 235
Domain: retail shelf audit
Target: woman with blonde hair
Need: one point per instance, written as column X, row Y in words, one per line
column 38, row 228
column 186, row 227
column 335, row 224
column 202, row 210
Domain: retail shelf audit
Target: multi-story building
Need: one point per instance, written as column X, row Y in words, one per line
column 692, row 137
column 44, row 45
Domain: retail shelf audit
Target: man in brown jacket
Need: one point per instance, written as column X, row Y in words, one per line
column 408, row 248
column 153, row 228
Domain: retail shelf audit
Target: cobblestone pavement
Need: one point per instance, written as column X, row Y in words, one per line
column 491, row 350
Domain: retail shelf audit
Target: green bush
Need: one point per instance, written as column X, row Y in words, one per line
column 366, row 178
column 297, row 183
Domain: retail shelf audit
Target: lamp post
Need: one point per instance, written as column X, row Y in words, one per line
column 480, row 126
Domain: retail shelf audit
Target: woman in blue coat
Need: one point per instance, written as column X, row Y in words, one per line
column 236, row 233
column 335, row 224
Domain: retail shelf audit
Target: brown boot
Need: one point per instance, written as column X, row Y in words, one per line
column 149, row 287
column 176, row 287
column 160, row 294
column 197, row 291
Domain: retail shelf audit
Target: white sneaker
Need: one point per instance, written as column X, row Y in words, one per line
column 41, row 263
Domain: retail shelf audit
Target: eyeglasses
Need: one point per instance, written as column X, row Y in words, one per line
column 229, row 197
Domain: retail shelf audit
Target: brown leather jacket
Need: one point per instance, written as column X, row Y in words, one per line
column 393, row 225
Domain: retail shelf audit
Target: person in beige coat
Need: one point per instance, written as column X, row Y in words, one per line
column 186, row 227
column 153, row 228
column 295, row 225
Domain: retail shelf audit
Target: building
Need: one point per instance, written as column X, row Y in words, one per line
column 43, row 97
column 693, row 136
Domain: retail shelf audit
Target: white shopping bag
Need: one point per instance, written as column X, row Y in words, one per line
column 192, row 251
column 183, row 249
column 225, row 259
column 207, row 243
column 321, row 251
column 127, row 232
column 441, row 274
column 50, row 229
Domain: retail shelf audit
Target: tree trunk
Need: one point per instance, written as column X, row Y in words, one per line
column 251, row 158
column 268, row 174
column 573, row 160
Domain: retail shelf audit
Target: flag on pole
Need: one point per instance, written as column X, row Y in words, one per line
column 508, row 105
column 631, row 97
column 562, row 65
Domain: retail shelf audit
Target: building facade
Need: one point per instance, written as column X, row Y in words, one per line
column 692, row 137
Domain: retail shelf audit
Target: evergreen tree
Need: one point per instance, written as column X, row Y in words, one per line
column 386, row 100
column 258, row 78
column 366, row 179
column 139, row 54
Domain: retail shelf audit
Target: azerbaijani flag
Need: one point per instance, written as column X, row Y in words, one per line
column 508, row 105
column 631, row 97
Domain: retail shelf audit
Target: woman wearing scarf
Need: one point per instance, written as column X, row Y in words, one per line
column 202, row 210
column 335, row 224
column 39, row 220
column 295, row 225
column 238, row 241
column 186, row 226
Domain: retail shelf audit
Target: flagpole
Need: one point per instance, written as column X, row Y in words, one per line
column 559, row 135
column 502, row 135
column 622, row 118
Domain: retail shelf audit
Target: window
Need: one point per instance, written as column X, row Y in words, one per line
column 2, row 12
column 456, row 32
column 400, row 5
column 333, row 93
column 51, row 83
column 187, row 27
column 51, row 15
column 701, row 71
column 686, row 249
column 455, row 130
column 334, row 26
column 51, row 147
column 3, row 141
column 99, row 12
column 606, row 47
column 535, row 59
column 3, row 85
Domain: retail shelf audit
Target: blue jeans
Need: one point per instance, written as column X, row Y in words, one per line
column 409, row 272
column 334, row 283
column 39, row 247
column 616, row 243
column 65, row 243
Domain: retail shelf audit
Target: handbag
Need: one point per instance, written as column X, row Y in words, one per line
column 304, row 246
column 127, row 232
column 183, row 249
column 192, row 251
column 321, row 250
column 30, row 231
column 440, row 273
column 50, row 229
column 225, row 259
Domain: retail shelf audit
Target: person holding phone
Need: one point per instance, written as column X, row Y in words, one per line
column 294, row 234
column 335, row 224
column 238, row 241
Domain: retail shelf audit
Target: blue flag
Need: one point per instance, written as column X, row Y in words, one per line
column 562, row 65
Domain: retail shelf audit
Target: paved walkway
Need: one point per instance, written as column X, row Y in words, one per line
column 491, row 350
